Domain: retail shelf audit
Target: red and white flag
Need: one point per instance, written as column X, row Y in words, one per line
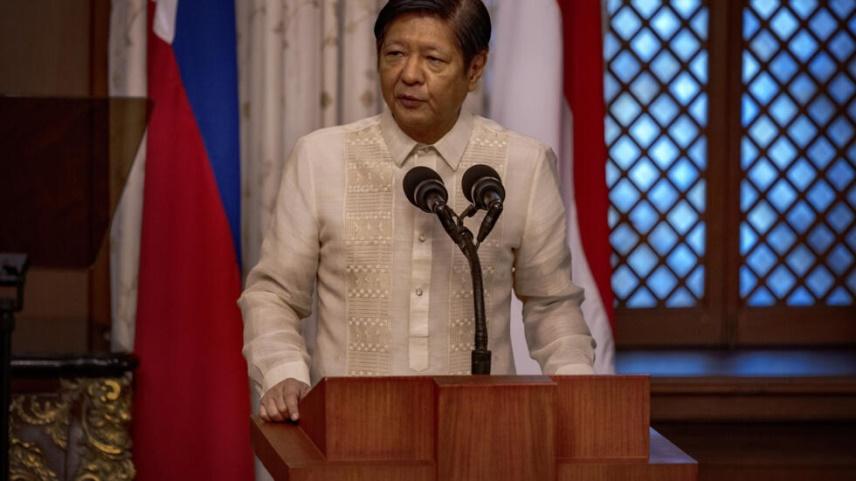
column 547, row 82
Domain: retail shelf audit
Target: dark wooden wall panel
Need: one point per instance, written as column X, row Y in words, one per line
column 45, row 47
column 58, row 48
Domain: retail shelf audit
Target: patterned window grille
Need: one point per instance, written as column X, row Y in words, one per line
column 798, row 197
column 655, row 88
column 732, row 170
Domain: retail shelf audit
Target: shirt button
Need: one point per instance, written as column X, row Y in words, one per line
column 421, row 238
column 418, row 291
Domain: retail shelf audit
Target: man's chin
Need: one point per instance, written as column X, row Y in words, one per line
column 409, row 119
column 415, row 111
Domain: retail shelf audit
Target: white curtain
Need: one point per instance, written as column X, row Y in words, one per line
column 127, row 71
column 303, row 65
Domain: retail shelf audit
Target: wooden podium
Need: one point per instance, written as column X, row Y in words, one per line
column 472, row 428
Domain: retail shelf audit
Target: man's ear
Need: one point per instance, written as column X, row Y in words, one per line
column 476, row 70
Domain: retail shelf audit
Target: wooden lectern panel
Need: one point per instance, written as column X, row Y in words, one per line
column 495, row 428
column 472, row 428
column 371, row 418
column 289, row 455
column 602, row 417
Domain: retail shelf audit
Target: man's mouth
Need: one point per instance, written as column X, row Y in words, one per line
column 409, row 101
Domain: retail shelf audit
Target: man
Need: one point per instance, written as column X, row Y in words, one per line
column 394, row 294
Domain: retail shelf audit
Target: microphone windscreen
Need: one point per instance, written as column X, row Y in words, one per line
column 473, row 175
column 416, row 176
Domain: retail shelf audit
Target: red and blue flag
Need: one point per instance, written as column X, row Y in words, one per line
column 191, row 396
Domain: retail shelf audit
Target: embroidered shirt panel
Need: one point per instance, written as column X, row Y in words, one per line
column 368, row 244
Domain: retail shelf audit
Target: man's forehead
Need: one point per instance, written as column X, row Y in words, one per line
column 424, row 27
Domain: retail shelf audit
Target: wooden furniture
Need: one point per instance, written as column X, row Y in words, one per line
column 755, row 415
column 466, row 428
column 70, row 418
column 64, row 164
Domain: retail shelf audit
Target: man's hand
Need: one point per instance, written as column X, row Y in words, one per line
column 279, row 403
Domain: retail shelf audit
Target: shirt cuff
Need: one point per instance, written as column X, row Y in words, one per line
column 297, row 370
column 575, row 370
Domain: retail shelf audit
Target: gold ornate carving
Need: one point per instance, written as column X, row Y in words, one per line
column 98, row 409
column 105, row 418
column 27, row 462
column 49, row 411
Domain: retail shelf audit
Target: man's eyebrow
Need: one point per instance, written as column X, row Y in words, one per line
column 435, row 47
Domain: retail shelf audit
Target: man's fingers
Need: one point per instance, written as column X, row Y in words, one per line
column 278, row 398
column 291, row 402
column 280, row 402
column 273, row 411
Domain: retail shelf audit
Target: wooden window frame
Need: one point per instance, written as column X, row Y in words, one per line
column 722, row 319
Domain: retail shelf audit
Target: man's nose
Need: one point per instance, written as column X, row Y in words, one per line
column 412, row 73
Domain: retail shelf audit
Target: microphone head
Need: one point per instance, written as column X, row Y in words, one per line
column 479, row 180
column 420, row 184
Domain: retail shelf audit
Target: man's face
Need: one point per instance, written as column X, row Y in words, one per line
column 423, row 77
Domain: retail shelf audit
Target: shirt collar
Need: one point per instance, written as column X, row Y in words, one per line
column 451, row 146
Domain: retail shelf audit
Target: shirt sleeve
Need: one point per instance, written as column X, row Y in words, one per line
column 279, row 288
column 557, row 336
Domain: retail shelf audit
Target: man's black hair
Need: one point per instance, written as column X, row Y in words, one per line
column 469, row 19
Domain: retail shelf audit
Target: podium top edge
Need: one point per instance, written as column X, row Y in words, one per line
column 443, row 379
column 492, row 380
column 477, row 380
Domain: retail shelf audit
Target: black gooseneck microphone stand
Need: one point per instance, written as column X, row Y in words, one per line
column 424, row 188
column 480, row 361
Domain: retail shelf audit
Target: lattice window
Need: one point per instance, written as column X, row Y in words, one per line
column 798, row 197
column 656, row 94
column 732, row 188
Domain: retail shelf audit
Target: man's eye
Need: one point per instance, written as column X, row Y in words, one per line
column 394, row 53
column 433, row 59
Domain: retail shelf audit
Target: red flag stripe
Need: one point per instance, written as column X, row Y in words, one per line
column 583, row 85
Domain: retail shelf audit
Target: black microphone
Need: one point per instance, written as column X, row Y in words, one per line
column 483, row 188
column 424, row 188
